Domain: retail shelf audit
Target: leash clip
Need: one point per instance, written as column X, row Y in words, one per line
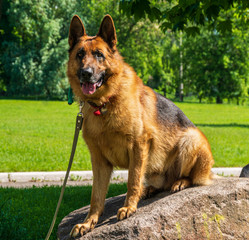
column 79, row 119
column 81, row 106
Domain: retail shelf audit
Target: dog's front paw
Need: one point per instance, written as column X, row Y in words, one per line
column 81, row 229
column 125, row 212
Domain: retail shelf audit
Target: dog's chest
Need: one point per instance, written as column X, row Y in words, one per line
column 115, row 149
column 112, row 142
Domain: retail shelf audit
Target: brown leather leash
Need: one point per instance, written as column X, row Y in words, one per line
column 78, row 127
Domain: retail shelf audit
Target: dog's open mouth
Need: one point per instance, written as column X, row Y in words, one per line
column 90, row 88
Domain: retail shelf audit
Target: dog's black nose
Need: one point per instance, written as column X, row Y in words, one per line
column 86, row 73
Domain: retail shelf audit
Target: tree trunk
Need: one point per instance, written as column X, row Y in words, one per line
column 181, row 70
column 219, row 100
column 237, row 100
column 164, row 91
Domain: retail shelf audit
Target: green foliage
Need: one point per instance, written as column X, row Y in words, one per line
column 215, row 46
column 26, row 214
column 189, row 16
column 33, row 45
column 218, row 71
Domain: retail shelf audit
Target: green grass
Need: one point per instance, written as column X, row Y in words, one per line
column 227, row 129
column 26, row 214
column 38, row 135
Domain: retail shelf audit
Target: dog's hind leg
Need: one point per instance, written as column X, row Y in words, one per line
column 154, row 184
column 201, row 172
column 181, row 184
column 195, row 160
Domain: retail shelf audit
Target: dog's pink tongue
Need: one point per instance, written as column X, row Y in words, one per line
column 89, row 88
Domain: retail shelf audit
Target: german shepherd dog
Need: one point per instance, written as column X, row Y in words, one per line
column 128, row 125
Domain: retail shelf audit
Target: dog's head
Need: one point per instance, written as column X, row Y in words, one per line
column 92, row 60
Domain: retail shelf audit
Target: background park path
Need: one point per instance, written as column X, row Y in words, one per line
column 77, row 178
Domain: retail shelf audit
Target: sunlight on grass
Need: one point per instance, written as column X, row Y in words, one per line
column 227, row 129
column 38, row 135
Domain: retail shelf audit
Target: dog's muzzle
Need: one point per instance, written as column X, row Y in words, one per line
column 89, row 81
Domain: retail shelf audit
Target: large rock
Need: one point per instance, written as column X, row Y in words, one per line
column 219, row 211
column 245, row 171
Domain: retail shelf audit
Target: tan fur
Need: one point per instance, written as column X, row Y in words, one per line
column 130, row 135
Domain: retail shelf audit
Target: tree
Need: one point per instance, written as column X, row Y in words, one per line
column 216, row 60
column 188, row 16
column 33, row 47
column 217, row 63
column 33, row 53
column 33, row 44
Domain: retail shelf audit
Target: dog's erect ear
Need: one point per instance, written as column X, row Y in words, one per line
column 76, row 30
column 107, row 31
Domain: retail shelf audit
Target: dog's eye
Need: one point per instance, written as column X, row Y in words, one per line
column 80, row 54
column 99, row 55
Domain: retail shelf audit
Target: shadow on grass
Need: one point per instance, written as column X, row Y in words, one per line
column 26, row 214
column 222, row 125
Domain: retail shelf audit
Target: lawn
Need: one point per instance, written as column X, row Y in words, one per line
column 26, row 214
column 37, row 135
column 227, row 129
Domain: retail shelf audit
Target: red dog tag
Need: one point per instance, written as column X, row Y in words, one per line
column 97, row 113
